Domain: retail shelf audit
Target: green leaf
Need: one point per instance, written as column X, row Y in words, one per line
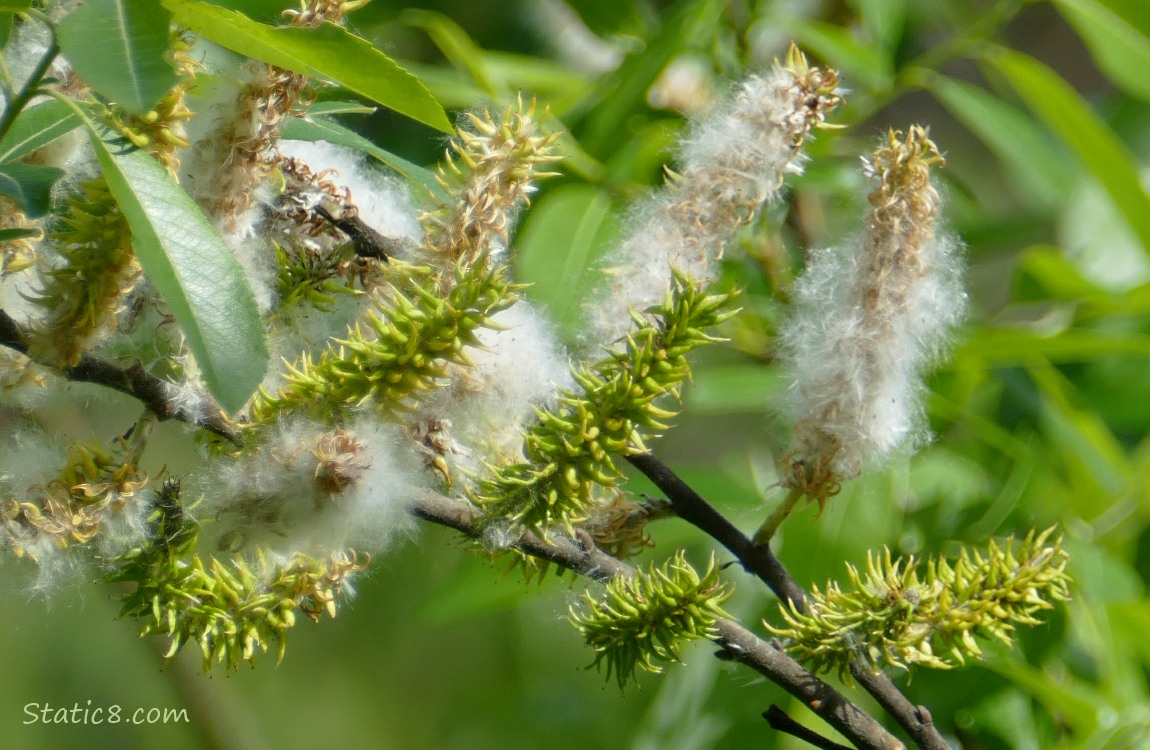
column 866, row 63
column 1084, row 438
column 460, row 50
column 36, row 127
column 30, row 185
column 1013, row 135
column 6, row 20
column 264, row 11
column 192, row 268
column 326, row 51
column 118, row 47
column 320, row 129
column 15, row 6
column 604, row 112
column 326, row 108
column 734, row 388
column 1080, row 128
column 1112, row 31
column 1009, row 346
column 884, row 19
column 560, row 238
column 8, row 235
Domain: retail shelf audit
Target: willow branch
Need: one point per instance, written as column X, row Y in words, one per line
column 132, row 380
column 779, row 721
column 761, row 561
column 737, row 643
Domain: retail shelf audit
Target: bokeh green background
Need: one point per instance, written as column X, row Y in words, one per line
column 1039, row 418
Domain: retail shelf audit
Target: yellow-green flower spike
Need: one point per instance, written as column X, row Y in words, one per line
column 644, row 621
column 232, row 610
column 894, row 617
column 569, row 451
column 398, row 354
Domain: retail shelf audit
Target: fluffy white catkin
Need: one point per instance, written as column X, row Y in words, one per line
column 733, row 160
column 868, row 319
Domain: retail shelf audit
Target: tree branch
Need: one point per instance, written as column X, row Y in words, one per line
column 738, row 643
column 761, row 561
column 133, row 380
column 779, row 721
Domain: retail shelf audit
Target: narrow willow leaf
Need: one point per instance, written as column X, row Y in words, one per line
column 326, row 51
column 863, row 62
column 460, row 50
column 321, row 129
column 606, row 109
column 6, row 20
column 1117, row 44
column 36, row 127
column 1005, row 347
column 1062, row 110
column 30, row 185
column 1014, row 136
column 885, row 20
column 118, row 48
column 326, row 108
column 193, row 270
column 264, row 11
column 8, row 235
column 557, row 246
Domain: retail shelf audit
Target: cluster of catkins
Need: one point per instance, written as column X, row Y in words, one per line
column 407, row 357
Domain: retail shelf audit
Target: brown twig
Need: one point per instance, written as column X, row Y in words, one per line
column 779, row 721
column 134, row 381
column 737, row 643
column 761, row 561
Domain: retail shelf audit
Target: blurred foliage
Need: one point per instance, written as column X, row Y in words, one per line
column 1040, row 418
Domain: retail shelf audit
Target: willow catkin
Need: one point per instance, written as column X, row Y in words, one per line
column 868, row 319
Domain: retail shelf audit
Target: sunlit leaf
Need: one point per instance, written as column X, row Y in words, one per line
column 734, row 388
column 322, row 129
column 885, row 19
column 1080, row 128
column 328, row 108
column 192, row 268
column 118, row 48
column 559, row 241
column 1012, row 134
column 605, row 110
column 460, row 50
column 1014, row 346
column 326, row 51
column 1111, row 31
column 36, row 127
column 861, row 62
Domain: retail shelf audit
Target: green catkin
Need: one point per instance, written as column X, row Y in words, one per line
column 894, row 617
column 232, row 610
column 571, row 448
column 397, row 354
column 643, row 621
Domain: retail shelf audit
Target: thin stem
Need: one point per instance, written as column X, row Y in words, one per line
column 780, row 721
column 767, row 531
column 761, row 561
column 133, row 380
column 737, row 643
column 17, row 104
